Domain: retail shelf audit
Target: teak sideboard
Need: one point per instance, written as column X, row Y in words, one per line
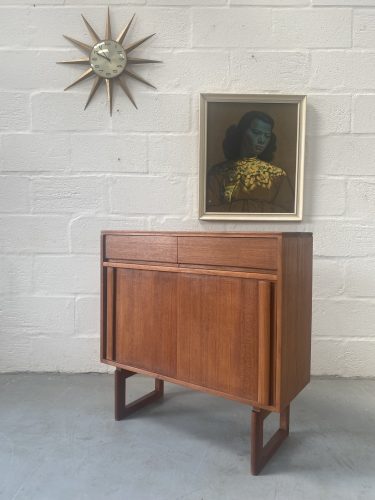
column 224, row 313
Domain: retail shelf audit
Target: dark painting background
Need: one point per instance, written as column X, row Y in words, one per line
column 220, row 115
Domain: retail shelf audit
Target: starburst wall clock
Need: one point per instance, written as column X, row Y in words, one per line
column 109, row 61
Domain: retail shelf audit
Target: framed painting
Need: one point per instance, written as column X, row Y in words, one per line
column 251, row 156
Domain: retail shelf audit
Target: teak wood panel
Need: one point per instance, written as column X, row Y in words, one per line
column 290, row 325
column 258, row 253
column 150, row 247
column 218, row 333
column 110, row 312
column 146, row 320
column 295, row 298
column 264, row 351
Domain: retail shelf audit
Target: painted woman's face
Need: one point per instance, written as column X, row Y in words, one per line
column 256, row 138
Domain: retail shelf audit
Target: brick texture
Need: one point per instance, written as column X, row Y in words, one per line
column 67, row 173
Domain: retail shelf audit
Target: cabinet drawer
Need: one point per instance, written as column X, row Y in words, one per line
column 258, row 253
column 154, row 248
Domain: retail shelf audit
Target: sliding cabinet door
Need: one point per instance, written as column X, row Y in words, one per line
column 145, row 320
column 217, row 343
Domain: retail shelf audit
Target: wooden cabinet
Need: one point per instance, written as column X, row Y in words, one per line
column 224, row 313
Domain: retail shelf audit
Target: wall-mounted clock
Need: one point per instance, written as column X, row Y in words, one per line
column 109, row 61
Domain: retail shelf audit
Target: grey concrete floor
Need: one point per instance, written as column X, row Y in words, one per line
column 59, row 440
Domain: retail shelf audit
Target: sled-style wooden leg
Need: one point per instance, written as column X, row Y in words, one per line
column 261, row 454
column 122, row 409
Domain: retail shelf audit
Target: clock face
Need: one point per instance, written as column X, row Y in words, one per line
column 108, row 59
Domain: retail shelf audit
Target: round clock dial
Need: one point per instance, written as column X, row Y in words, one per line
column 108, row 59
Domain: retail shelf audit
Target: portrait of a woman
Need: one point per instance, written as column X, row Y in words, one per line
column 248, row 180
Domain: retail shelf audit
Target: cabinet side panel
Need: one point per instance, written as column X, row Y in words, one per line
column 146, row 320
column 218, row 334
column 296, row 316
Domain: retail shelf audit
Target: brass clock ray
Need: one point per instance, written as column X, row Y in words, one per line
column 108, row 56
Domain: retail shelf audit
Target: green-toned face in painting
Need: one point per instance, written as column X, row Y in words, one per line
column 256, row 138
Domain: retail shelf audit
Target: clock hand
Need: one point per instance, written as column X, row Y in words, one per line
column 103, row 55
column 106, row 53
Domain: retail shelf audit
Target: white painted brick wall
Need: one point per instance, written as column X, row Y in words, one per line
column 87, row 317
column 333, row 321
column 328, row 114
column 84, row 230
column 328, row 278
column 173, row 154
column 47, row 316
column 364, row 27
column 63, row 112
column 312, row 28
column 325, row 197
column 363, row 113
column 182, row 70
column 149, row 195
column 66, row 173
column 117, row 153
column 242, row 28
column 34, row 233
column 341, row 155
column 16, row 275
column 40, row 66
column 14, row 194
column 66, row 274
column 32, row 153
column 156, row 113
column 15, row 111
column 69, row 194
column 285, row 72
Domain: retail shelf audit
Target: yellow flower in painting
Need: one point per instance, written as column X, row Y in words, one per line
column 228, row 192
column 250, row 173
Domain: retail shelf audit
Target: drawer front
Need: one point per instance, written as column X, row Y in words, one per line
column 258, row 253
column 153, row 248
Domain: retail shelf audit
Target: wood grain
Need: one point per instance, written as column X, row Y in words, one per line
column 189, row 385
column 111, row 314
column 192, row 270
column 295, row 298
column 218, row 333
column 103, row 301
column 205, row 234
column 259, row 253
column 224, row 313
column 123, row 409
column 264, row 319
column 260, row 453
column 146, row 320
column 192, row 322
column 146, row 247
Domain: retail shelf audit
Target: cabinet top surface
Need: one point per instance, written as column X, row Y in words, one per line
column 228, row 234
